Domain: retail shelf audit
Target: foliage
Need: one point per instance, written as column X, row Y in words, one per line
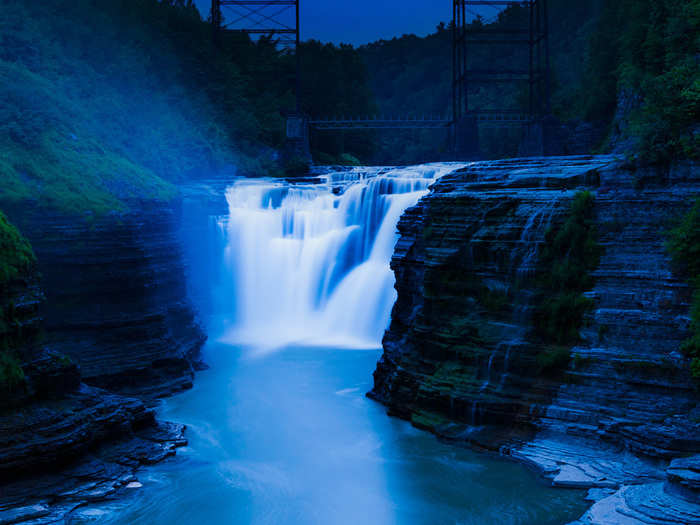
column 641, row 52
column 412, row 76
column 11, row 373
column 336, row 84
column 684, row 245
column 648, row 49
column 552, row 360
column 569, row 254
column 684, row 241
column 90, row 119
column 16, row 255
column 348, row 160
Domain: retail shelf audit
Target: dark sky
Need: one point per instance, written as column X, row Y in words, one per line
column 362, row 21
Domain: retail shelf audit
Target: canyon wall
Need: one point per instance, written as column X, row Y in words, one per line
column 463, row 359
column 117, row 301
column 96, row 329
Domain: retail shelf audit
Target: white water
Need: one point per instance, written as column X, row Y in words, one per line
column 311, row 265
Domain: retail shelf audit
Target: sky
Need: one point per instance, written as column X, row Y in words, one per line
column 361, row 21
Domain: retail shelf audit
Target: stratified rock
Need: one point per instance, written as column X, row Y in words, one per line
column 459, row 348
column 117, row 299
column 117, row 307
column 676, row 502
column 55, row 432
column 102, row 474
column 684, row 477
column 460, row 356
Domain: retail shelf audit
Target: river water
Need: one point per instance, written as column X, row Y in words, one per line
column 296, row 291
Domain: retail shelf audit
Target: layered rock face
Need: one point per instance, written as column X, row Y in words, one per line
column 117, row 314
column 461, row 357
column 117, row 302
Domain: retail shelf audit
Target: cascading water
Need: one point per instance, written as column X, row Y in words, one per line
column 310, row 262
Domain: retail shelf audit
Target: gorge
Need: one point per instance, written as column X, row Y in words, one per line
column 251, row 277
column 293, row 282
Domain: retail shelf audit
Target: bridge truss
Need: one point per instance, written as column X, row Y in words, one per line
column 407, row 122
column 278, row 19
column 466, row 74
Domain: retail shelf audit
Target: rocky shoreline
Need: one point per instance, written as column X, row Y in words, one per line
column 106, row 331
column 461, row 359
column 104, row 473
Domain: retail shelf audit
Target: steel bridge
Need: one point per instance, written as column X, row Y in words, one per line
column 280, row 19
column 410, row 122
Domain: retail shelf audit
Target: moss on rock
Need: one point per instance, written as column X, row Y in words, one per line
column 17, row 262
column 570, row 253
column 16, row 254
column 684, row 245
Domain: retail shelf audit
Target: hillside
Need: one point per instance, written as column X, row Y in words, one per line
column 627, row 68
column 103, row 102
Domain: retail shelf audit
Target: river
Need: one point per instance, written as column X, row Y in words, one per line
column 295, row 286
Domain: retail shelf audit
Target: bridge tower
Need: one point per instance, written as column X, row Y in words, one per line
column 468, row 74
column 279, row 19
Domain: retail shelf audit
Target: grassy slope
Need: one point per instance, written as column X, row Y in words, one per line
column 90, row 118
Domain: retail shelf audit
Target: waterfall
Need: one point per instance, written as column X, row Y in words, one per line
column 309, row 263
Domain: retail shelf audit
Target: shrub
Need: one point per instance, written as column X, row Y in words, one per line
column 296, row 166
column 346, row 159
column 16, row 255
column 570, row 252
column 553, row 360
column 684, row 246
column 11, row 373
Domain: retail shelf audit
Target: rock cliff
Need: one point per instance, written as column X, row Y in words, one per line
column 463, row 359
column 117, row 302
column 116, row 318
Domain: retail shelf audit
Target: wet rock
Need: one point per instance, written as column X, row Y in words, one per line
column 118, row 305
column 684, row 477
column 55, row 432
column 648, row 504
column 118, row 319
column 102, row 474
column 460, row 357
column 459, row 348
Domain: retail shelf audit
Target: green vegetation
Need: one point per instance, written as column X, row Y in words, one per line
column 552, row 360
column 414, row 75
column 16, row 260
column 642, row 52
column 647, row 50
column 16, row 255
column 336, row 83
column 91, row 119
column 11, row 373
column 569, row 254
column 684, row 245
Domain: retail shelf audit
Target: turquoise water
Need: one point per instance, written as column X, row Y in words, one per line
column 288, row 437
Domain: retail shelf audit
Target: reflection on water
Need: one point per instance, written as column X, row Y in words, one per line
column 289, row 438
